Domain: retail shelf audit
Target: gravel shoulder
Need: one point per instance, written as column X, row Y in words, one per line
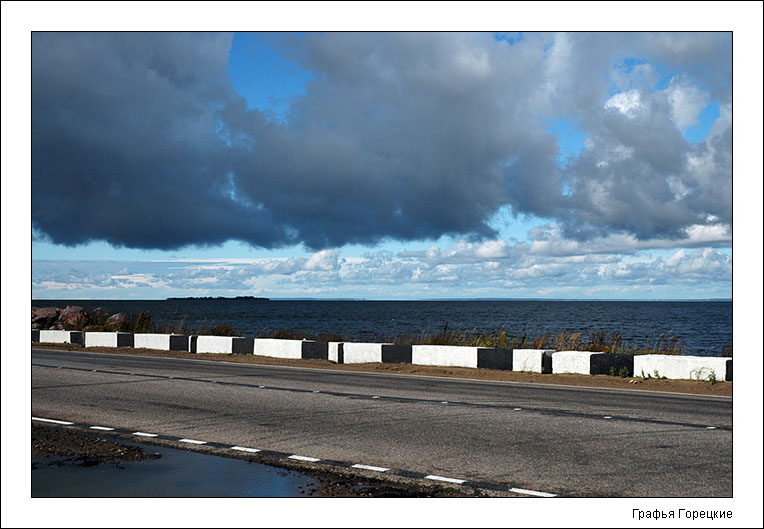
column 597, row 381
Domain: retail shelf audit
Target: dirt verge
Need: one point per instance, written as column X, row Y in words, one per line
column 77, row 448
column 61, row 446
column 596, row 381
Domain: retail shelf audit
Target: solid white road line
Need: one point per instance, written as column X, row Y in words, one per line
column 304, row 458
column 54, row 421
column 193, row 441
column 369, row 467
column 441, row 478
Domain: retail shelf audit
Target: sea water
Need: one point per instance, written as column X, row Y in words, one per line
column 703, row 326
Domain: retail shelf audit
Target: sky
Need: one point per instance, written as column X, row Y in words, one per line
column 396, row 165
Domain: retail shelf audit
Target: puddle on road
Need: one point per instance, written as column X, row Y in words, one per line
column 177, row 473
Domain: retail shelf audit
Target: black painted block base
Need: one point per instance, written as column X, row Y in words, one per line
column 494, row 359
column 315, row 350
column 396, row 354
column 601, row 364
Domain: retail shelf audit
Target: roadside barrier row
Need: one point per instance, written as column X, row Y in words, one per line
column 528, row 360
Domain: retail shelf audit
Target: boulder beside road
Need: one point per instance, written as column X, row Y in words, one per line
column 45, row 317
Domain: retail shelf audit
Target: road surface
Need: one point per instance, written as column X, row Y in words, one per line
column 543, row 439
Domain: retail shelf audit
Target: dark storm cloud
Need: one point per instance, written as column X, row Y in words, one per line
column 138, row 139
column 124, row 143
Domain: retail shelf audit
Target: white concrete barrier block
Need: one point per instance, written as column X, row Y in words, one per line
column 532, row 360
column 277, row 348
column 109, row 339
column 77, row 337
column 361, row 353
column 572, row 362
column 162, row 342
column 335, row 350
column 223, row 344
column 683, row 367
column 444, row 355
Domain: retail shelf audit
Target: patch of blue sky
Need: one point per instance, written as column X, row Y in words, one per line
column 386, row 245
column 629, row 63
column 659, row 80
column 699, row 131
column 571, row 139
column 664, row 77
column 260, row 74
column 509, row 37
column 514, row 228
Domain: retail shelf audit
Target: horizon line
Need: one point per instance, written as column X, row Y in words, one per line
column 233, row 298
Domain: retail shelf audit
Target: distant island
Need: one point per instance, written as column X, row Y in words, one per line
column 223, row 298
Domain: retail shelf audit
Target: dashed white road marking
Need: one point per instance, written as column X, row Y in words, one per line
column 607, row 417
column 517, row 409
column 245, row 449
column 54, row 421
column 375, row 397
column 533, row 493
column 710, row 427
column 304, row 458
column 316, row 391
column 370, row 467
column 441, row 478
column 315, row 459
column 261, row 387
column 444, row 402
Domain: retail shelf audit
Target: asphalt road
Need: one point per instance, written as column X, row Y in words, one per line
column 559, row 440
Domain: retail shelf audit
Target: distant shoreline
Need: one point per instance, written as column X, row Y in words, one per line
column 709, row 300
column 217, row 298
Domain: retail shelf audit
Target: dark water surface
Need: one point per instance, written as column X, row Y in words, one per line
column 704, row 326
column 176, row 474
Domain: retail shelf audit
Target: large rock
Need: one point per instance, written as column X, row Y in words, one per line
column 117, row 321
column 45, row 317
column 73, row 318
